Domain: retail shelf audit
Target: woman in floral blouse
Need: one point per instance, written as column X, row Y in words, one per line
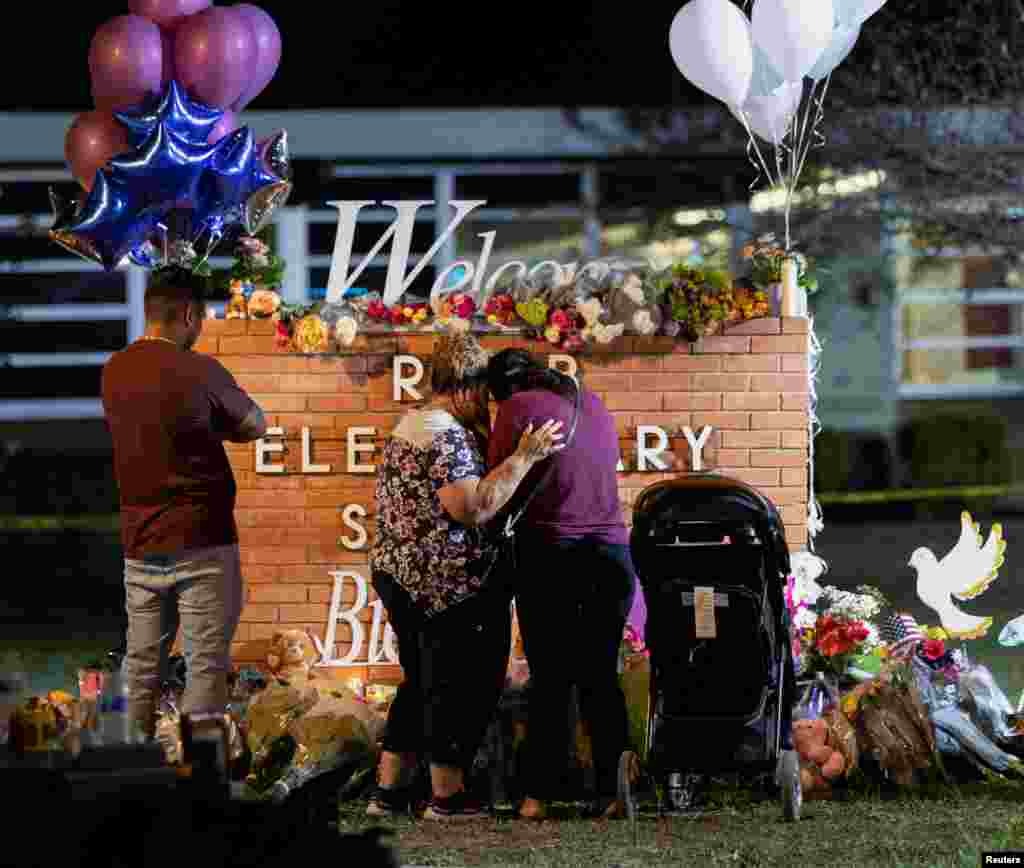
column 429, row 564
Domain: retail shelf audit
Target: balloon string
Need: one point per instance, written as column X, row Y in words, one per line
column 819, row 115
column 753, row 141
column 754, row 163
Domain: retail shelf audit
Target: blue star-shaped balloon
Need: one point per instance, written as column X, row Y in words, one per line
column 131, row 197
column 192, row 121
column 174, row 187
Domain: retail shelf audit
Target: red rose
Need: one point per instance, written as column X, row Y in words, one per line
column 933, row 649
column 561, row 320
column 396, row 316
column 465, row 308
column 377, row 310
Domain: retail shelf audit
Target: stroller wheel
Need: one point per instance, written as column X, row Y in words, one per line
column 787, row 776
column 629, row 777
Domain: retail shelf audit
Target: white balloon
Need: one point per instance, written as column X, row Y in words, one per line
column 710, row 43
column 763, row 78
column 770, row 116
column 853, row 13
column 793, row 33
column 843, row 40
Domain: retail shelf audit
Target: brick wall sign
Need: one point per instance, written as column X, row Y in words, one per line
column 736, row 403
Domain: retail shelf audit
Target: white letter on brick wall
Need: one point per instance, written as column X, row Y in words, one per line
column 347, row 513
column 307, row 452
column 354, row 447
column 376, row 652
column 406, row 383
column 263, row 449
column 696, row 445
column 349, row 616
column 643, row 453
column 557, row 361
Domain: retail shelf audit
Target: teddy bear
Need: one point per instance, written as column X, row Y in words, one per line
column 820, row 762
column 291, row 656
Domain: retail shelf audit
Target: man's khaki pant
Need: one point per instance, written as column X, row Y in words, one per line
column 199, row 590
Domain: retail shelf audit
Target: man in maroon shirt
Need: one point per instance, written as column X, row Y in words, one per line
column 169, row 410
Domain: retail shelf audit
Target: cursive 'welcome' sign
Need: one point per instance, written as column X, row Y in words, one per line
column 399, row 278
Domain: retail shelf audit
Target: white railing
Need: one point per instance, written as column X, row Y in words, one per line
column 292, row 243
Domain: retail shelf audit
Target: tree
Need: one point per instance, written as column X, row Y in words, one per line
column 931, row 96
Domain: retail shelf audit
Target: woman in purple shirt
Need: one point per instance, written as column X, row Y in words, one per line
column 574, row 577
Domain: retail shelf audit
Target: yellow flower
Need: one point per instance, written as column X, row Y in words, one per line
column 850, row 704
column 408, row 312
column 311, row 335
column 936, row 633
column 552, row 334
column 492, row 319
column 420, row 315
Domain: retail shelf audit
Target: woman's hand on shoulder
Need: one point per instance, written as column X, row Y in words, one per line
column 537, row 445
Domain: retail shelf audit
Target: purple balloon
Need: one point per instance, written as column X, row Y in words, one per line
column 225, row 126
column 212, row 53
column 267, row 41
column 125, row 62
column 167, row 69
column 168, row 13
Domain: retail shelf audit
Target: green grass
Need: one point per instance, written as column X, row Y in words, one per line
column 945, row 829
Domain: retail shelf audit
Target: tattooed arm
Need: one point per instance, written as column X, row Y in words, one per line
column 477, row 501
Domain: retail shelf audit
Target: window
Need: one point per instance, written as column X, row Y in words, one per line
column 959, row 326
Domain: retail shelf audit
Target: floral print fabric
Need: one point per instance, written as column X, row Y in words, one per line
column 438, row 561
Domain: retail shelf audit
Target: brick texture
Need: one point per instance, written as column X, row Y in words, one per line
column 748, row 383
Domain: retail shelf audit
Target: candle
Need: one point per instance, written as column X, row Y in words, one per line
column 790, row 303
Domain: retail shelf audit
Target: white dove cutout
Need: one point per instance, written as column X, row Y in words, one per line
column 964, row 573
column 1012, row 634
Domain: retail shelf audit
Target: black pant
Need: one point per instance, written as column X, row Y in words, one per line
column 454, row 667
column 572, row 599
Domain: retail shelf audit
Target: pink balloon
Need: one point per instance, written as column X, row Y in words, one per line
column 167, row 69
column 168, row 13
column 225, row 126
column 267, row 39
column 125, row 61
column 92, row 139
column 212, row 53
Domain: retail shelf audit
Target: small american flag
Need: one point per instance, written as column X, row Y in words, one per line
column 902, row 634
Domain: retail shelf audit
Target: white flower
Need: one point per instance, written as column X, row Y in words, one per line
column 347, row 330
column 605, row 334
column 805, row 619
column 643, row 323
column 634, row 289
column 590, row 310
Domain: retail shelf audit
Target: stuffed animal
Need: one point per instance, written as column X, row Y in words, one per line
column 820, row 762
column 628, row 304
column 238, row 306
column 291, row 656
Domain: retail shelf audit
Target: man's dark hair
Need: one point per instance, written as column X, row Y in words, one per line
column 170, row 289
column 512, row 371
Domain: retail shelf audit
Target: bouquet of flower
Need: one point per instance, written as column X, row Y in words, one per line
column 834, row 631
column 500, row 309
column 699, row 300
column 766, row 256
column 456, row 306
column 564, row 328
column 255, row 265
column 398, row 314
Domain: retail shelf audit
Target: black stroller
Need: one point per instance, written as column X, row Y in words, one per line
column 712, row 559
